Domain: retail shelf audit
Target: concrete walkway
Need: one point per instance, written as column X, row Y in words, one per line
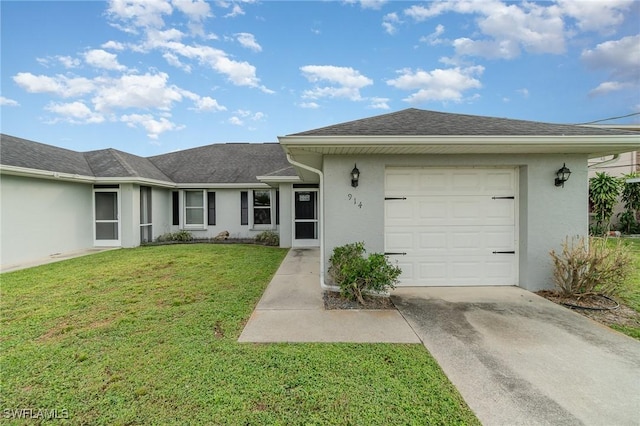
column 515, row 357
column 57, row 257
column 519, row 359
column 292, row 310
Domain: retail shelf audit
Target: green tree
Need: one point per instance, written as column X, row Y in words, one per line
column 604, row 190
column 631, row 197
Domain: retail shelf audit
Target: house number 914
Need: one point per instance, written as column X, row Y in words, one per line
column 355, row 201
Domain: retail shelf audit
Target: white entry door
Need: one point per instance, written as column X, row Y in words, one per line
column 452, row 227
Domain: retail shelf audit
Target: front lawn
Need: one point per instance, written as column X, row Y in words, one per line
column 149, row 336
column 629, row 294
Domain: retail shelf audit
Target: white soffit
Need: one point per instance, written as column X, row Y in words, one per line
column 594, row 146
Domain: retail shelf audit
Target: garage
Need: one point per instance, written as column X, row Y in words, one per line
column 452, row 226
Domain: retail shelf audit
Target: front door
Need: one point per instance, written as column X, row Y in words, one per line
column 107, row 217
column 305, row 224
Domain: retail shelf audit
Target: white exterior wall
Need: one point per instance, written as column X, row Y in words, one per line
column 546, row 213
column 160, row 211
column 286, row 215
column 41, row 217
column 227, row 216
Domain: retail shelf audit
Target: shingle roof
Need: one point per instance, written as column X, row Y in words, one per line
column 113, row 163
column 224, row 163
column 217, row 163
column 33, row 155
column 417, row 122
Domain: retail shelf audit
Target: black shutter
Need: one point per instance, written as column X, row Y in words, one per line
column 211, row 205
column 277, row 207
column 244, row 208
column 176, row 207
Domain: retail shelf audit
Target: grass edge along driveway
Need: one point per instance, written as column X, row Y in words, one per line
column 149, row 336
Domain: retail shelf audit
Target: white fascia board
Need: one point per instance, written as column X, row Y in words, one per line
column 250, row 185
column 278, row 179
column 45, row 174
column 136, row 180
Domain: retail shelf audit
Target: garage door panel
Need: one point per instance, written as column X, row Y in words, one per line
column 450, row 224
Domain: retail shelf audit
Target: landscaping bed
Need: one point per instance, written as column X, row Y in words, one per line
column 333, row 300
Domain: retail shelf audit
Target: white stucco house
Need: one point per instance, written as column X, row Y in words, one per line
column 456, row 200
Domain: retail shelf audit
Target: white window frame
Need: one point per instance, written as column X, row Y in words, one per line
column 272, row 210
column 108, row 243
column 146, row 204
column 185, row 207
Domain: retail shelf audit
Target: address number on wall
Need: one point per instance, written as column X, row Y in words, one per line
column 355, row 200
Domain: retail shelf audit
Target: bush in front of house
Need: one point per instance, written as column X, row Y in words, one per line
column 175, row 236
column 356, row 274
column 591, row 266
column 268, row 238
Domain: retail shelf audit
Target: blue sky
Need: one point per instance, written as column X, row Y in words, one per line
column 155, row 76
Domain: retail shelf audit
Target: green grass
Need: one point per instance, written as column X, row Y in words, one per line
column 149, row 336
column 630, row 292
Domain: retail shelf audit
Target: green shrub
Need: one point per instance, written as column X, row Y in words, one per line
column 268, row 238
column 175, row 236
column 603, row 195
column 591, row 267
column 355, row 274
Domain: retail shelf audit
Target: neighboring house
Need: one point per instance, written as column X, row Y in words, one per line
column 454, row 199
column 617, row 165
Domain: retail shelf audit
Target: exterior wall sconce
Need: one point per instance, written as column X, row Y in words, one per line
column 563, row 175
column 355, row 176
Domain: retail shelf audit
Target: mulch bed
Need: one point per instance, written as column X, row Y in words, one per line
column 596, row 307
column 333, row 300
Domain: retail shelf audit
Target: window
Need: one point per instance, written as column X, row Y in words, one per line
column 244, row 208
column 146, row 234
column 175, row 204
column 262, row 207
column 211, row 208
column 194, row 208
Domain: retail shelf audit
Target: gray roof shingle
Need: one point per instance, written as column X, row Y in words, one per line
column 217, row 163
column 33, row 155
column 224, row 163
column 417, row 122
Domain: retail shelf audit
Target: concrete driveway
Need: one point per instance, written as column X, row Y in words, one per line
column 518, row 359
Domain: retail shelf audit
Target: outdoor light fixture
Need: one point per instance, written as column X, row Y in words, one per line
column 563, row 175
column 355, row 175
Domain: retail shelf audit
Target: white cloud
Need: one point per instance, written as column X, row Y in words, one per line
column 236, row 121
column 507, row 28
column 68, row 61
column 249, row 41
column 136, row 91
column 8, row 102
column 173, row 60
column 621, row 58
column 208, row 104
column 236, row 10
column 600, row 16
column 434, row 37
column 344, row 82
column 379, row 103
column 75, row 112
column 389, row 22
column 113, row 45
column 196, row 10
column 99, row 58
column 60, row 85
column 154, row 127
column 524, row 92
column 145, row 14
column 439, row 84
column 368, row 4
column 309, row 105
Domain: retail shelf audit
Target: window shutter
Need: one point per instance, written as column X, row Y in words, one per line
column 211, row 206
column 244, row 208
column 277, row 207
column 176, row 207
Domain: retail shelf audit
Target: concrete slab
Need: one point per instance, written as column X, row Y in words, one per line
column 355, row 326
column 56, row 257
column 518, row 359
column 292, row 310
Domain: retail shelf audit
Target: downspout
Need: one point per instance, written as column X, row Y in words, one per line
column 321, row 227
column 611, row 160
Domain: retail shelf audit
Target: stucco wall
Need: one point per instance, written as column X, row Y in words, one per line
column 546, row 213
column 228, row 217
column 41, row 217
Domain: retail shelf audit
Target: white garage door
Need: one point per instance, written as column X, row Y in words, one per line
column 452, row 227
